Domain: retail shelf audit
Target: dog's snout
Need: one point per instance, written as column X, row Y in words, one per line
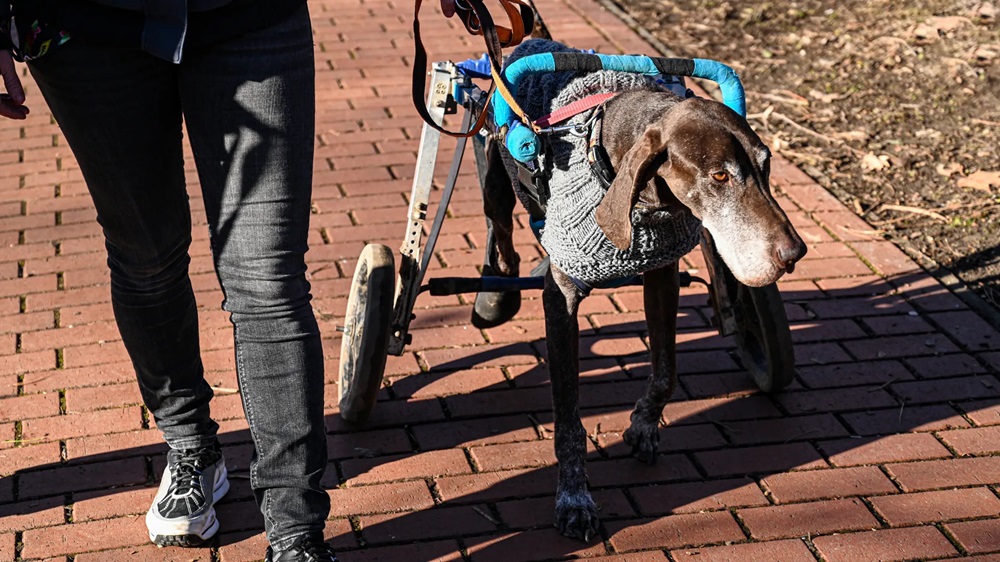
column 790, row 252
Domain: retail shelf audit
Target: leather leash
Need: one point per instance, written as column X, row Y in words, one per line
column 478, row 21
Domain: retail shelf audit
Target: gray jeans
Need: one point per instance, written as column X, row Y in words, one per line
column 249, row 107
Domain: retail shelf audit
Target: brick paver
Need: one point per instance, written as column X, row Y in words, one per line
column 883, row 448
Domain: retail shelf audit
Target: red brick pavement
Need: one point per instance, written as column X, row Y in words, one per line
column 882, row 450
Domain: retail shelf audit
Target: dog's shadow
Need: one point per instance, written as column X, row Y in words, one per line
column 721, row 444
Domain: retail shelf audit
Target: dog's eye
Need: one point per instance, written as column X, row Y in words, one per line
column 721, row 177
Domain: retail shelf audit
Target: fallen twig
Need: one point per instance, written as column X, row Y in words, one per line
column 860, row 232
column 779, row 99
column 916, row 211
column 807, row 130
column 541, row 428
column 804, row 155
column 769, row 112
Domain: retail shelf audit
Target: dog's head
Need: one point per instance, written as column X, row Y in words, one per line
column 702, row 155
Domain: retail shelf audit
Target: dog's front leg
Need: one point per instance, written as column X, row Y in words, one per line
column 661, row 290
column 576, row 513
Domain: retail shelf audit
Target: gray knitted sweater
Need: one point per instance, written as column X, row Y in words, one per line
column 571, row 236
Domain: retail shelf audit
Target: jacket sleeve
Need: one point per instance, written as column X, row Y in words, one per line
column 6, row 43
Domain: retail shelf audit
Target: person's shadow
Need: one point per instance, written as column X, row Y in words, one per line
column 467, row 445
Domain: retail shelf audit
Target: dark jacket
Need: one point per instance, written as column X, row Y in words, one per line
column 160, row 33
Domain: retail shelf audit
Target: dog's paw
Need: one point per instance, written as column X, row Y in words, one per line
column 644, row 438
column 576, row 516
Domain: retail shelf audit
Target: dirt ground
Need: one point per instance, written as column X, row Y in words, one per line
column 892, row 106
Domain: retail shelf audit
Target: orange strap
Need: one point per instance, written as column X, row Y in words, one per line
column 508, row 97
column 478, row 21
column 519, row 13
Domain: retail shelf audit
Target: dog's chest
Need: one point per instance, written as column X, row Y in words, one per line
column 578, row 245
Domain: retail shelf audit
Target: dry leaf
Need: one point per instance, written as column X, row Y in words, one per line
column 778, row 144
column 947, row 170
column 924, row 33
column 984, row 12
column 948, row 23
column 983, row 55
column 860, row 136
column 872, row 162
column 825, row 98
column 981, row 180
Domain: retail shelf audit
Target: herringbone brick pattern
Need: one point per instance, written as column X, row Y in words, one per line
column 883, row 449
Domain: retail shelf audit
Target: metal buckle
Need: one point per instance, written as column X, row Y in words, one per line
column 581, row 130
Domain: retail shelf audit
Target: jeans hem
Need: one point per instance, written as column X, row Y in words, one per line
column 280, row 544
column 192, row 442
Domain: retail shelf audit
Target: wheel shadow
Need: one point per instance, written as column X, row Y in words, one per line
column 721, row 441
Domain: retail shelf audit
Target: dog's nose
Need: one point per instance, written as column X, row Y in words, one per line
column 789, row 253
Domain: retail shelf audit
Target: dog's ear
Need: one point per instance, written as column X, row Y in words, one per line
column 614, row 213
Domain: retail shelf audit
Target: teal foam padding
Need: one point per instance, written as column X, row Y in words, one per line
column 542, row 62
column 630, row 63
column 522, row 142
column 732, row 89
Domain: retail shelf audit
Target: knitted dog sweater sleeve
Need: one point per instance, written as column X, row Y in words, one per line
column 571, row 236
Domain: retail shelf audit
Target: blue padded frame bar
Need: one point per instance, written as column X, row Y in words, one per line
column 522, row 142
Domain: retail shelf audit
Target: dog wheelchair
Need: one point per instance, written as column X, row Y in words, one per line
column 381, row 301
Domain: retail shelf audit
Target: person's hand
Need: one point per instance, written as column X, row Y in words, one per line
column 11, row 103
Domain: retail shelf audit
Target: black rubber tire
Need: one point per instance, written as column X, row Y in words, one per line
column 763, row 338
column 365, row 344
column 756, row 317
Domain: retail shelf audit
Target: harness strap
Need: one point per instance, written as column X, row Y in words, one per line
column 575, row 108
column 597, row 156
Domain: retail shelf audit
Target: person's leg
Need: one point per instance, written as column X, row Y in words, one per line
column 249, row 106
column 120, row 111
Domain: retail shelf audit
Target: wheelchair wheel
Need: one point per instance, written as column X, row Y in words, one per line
column 763, row 339
column 756, row 317
column 364, row 347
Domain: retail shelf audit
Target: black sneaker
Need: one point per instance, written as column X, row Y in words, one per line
column 305, row 549
column 182, row 512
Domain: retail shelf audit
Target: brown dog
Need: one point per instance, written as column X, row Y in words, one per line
column 689, row 156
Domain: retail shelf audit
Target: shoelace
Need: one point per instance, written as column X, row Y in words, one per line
column 188, row 469
column 321, row 553
column 185, row 477
column 316, row 551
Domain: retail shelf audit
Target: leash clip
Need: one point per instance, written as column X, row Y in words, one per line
column 581, row 130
